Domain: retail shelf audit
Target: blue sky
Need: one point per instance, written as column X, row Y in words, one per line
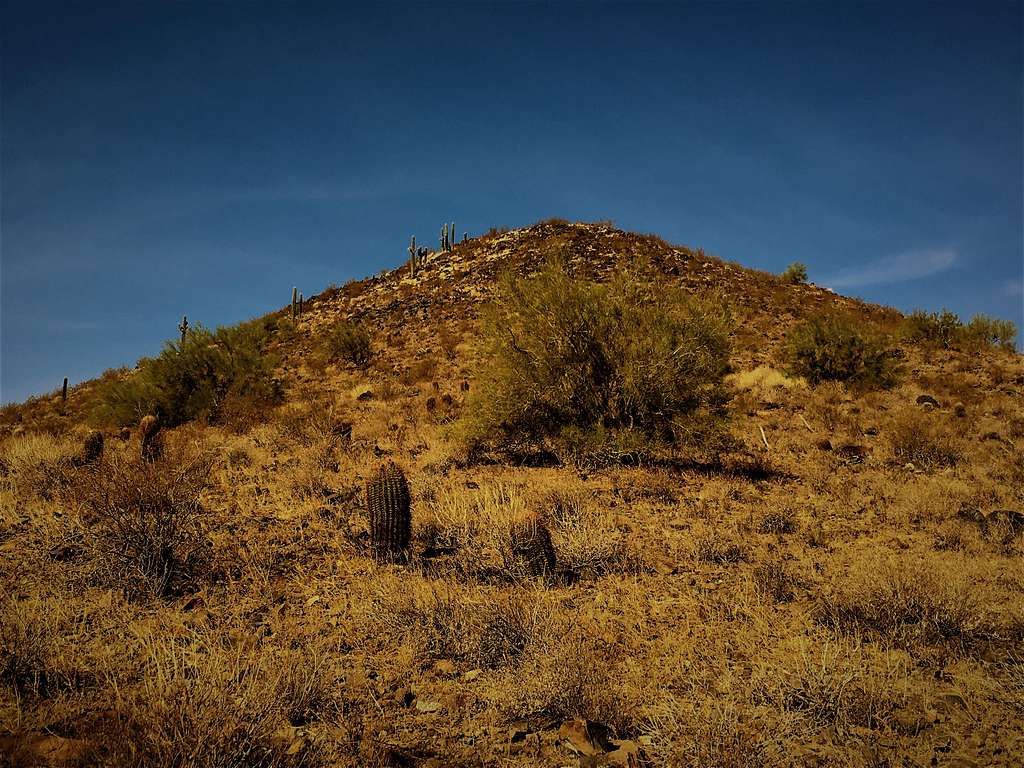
column 160, row 159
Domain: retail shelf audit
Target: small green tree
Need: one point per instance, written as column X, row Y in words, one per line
column 795, row 273
column 597, row 371
column 984, row 331
column 839, row 348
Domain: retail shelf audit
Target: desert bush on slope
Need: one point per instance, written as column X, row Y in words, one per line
column 839, row 348
column 144, row 521
column 946, row 330
column 599, row 371
column 203, row 377
column 795, row 273
column 349, row 342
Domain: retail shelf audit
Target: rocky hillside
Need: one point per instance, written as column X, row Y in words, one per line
column 842, row 589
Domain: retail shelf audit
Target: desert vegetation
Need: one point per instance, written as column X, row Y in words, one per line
column 571, row 510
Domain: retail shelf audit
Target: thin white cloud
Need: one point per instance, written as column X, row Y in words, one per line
column 910, row 265
column 1013, row 287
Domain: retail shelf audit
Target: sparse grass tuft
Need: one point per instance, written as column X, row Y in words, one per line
column 932, row 601
column 920, row 438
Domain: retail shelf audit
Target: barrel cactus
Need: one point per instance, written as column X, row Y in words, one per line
column 387, row 500
column 531, row 547
column 149, row 429
column 92, row 447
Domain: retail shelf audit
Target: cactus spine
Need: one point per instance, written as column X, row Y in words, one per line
column 183, row 329
column 387, row 500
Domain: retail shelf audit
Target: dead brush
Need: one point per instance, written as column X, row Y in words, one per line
column 774, row 582
column 305, row 685
column 933, row 602
column 701, row 731
column 778, row 521
column 563, row 674
column 920, row 438
column 831, row 684
column 37, row 466
column 712, row 547
column 143, row 521
column 201, row 704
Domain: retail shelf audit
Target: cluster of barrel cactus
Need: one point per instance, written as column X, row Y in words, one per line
column 388, row 504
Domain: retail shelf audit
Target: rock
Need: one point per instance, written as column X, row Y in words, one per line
column 927, row 400
column 585, row 737
column 364, row 396
column 960, row 410
column 427, row 706
column 824, row 444
column 445, row 667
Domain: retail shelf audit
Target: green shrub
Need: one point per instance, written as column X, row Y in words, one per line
column 936, row 328
column 348, row 341
column 795, row 273
column 599, row 371
column 946, row 330
column 839, row 348
column 984, row 331
column 195, row 379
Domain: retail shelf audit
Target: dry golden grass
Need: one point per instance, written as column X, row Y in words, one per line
column 834, row 608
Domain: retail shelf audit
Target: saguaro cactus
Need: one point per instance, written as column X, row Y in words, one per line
column 300, row 303
column 183, row 328
column 451, row 238
column 387, row 500
column 64, row 391
column 295, row 301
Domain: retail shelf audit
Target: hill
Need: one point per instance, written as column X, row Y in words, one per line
column 839, row 586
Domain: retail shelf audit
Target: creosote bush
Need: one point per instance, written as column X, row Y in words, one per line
column 348, row 341
column 795, row 273
column 209, row 375
column 840, row 348
column 945, row 329
column 599, row 371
